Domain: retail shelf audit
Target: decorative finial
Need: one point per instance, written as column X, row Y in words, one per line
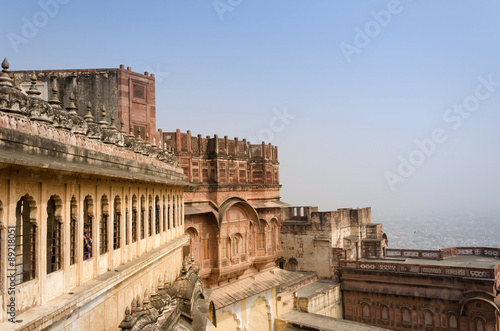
column 54, row 99
column 112, row 124
column 128, row 318
column 5, row 64
column 139, row 134
column 103, row 122
column 147, row 139
column 131, row 132
column 33, row 91
column 145, row 301
column 122, row 127
column 5, row 79
column 71, row 108
column 89, row 118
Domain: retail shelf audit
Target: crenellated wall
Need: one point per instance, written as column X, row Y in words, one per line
column 223, row 161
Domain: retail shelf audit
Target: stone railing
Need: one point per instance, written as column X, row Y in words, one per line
column 442, row 253
column 419, row 269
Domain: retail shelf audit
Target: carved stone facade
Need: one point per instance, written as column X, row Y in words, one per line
column 233, row 207
column 178, row 306
column 89, row 216
column 448, row 289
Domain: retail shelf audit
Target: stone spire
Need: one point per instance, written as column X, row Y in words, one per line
column 54, row 99
column 139, row 134
column 88, row 117
column 103, row 122
column 122, row 127
column 33, row 91
column 5, row 79
column 131, row 133
column 71, row 108
column 112, row 124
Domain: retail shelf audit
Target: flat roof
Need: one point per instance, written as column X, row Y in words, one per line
column 316, row 287
column 464, row 261
column 308, row 321
column 254, row 284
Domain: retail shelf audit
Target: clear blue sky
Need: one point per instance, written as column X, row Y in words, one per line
column 353, row 120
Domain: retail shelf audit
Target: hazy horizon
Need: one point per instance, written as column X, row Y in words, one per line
column 388, row 104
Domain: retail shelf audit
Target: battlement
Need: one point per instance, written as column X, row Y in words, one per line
column 342, row 216
column 223, row 161
column 216, row 147
column 25, row 115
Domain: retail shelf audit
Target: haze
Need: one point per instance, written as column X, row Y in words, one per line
column 343, row 88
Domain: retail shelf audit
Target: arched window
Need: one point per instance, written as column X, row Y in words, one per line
column 261, row 236
column 88, row 215
column 174, row 216
column 143, row 210
column 134, row 218
column 164, row 216
column 150, row 216
column 223, row 248
column 72, row 231
column 479, row 323
column 406, row 316
column 117, row 222
column 103, row 225
column 428, row 318
column 127, row 221
column 452, row 322
column 385, row 313
column 205, row 243
column 366, row 311
column 157, row 214
column 54, row 221
column 292, row 264
column 25, row 239
column 234, row 248
column 168, row 213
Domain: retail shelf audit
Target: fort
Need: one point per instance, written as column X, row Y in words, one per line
column 184, row 232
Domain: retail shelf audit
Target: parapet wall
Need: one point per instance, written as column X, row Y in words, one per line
column 220, row 161
column 442, row 253
column 215, row 146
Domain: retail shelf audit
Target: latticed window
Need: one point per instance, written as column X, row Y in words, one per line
column 25, row 241
column 72, row 232
column 164, row 218
column 206, row 254
column 260, row 240
column 452, row 322
column 103, row 226
column 117, row 223
column 157, row 215
column 134, row 225
column 235, row 246
column 150, row 221
column 174, row 216
column 385, row 313
column 143, row 211
column 366, row 311
column 127, row 222
column 53, row 235
column 223, row 248
column 87, row 228
column 406, row 316
column 428, row 318
column 169, row 220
